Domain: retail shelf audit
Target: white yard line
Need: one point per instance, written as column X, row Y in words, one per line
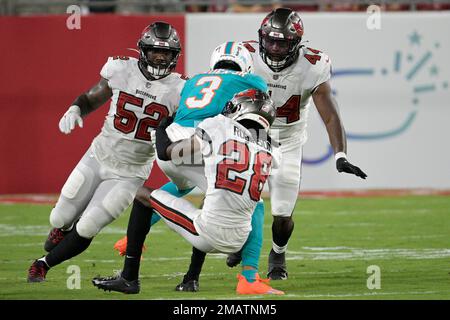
column 367, row 294
column 347, row 253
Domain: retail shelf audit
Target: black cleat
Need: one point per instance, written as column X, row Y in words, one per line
column 234, row 259
column 37, row 271
column 277, row 266
column 117, row 283
column 54, row 238
column 188, row 286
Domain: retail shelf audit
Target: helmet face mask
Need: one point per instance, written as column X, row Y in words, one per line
column 159, row 49
column 251, row 104
column 280, row 35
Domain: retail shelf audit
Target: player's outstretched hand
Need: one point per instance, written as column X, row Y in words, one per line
column 69, row 119
column 342, row 165
column 162, row 139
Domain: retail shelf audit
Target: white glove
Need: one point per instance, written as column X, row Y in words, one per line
column 70, row 118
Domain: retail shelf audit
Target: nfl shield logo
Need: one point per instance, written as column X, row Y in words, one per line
column 148, row 85
column 275, row 77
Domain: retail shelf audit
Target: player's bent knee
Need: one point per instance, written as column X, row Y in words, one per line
column 62, row 216
column 117, row 200
column 282, row 209
column 73, row 184
column 143, row 196
column 88, row 226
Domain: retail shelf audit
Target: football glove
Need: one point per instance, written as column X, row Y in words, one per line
column 162, row 139
column 342, row 165
column 70, row 118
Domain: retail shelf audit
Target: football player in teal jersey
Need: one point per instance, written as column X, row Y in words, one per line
column 203, row 96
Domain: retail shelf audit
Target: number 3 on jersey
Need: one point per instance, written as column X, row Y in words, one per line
column 208, row 92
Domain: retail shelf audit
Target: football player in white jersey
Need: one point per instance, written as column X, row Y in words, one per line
column 231, row 66
column 105, row 181
column 238, row 155
column 294, row 75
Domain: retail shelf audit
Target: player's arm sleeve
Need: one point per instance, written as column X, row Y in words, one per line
column 113, row 71
column 174, row 98
column 107, row 69
column 324, row 73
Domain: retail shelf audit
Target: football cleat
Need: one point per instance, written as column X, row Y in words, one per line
column 259, row 286
column 121, row 246
column 37, row 271
column 233, row 259
column 188, row 286
column 55, row 236
column 277, row 266
column 117, row 283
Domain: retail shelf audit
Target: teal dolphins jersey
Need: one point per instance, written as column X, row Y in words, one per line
column 205, row 95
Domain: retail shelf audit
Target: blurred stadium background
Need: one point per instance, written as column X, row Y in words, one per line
column 390, row 76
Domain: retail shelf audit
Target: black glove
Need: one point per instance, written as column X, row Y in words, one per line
column 342, row 165
column 162, row 139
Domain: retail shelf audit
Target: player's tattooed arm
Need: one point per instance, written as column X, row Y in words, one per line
column 94, row 98
column 328, row 109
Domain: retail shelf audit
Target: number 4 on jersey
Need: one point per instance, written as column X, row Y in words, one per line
column 291, row 109
column 313, row 58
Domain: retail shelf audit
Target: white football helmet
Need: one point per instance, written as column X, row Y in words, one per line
column 235, row 52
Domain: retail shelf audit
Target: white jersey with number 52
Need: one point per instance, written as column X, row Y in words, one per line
column 125, row 144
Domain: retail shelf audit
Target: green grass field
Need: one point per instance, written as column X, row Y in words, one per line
column 333, row 244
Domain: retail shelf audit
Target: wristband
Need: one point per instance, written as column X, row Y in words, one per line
column 74, row 108
column 340, row 155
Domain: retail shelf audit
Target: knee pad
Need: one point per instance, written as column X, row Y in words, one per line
column 117, row 200
column 73, row 184
column 92, row 222
column 283, row 209
column 63, row 215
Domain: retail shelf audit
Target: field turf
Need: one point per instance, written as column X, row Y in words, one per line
column 334, row 242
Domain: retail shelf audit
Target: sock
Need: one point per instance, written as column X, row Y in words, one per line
column 138, row 228
column 249, row 274
column 197, row 260
column 251, row 250
column 171, row 188
column 281, row 232
column 72, row 245
column 278, row 249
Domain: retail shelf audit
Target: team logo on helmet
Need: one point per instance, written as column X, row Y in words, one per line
column 251, row 104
